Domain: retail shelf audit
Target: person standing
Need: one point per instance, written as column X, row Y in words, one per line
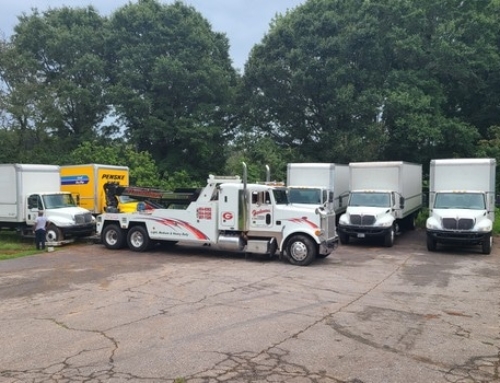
column 39, row 228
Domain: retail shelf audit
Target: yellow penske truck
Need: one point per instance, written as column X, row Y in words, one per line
column 86, row 184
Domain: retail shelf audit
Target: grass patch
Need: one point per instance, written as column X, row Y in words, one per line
column 13, row 246
column 496, row 223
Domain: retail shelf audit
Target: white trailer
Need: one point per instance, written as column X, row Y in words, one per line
column 26, row 189
column 385, row 197
column 317, row 184
column 229, row 214
column 461, row 202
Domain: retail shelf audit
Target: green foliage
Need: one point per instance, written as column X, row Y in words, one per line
column 332, row 81
column 496, row 224
column 143, row 170
column 55, row 73
column 360, row 80
column 258, row 153
column 489, row 147
column 172, row 84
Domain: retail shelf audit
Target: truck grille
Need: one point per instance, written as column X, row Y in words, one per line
column 83, row 218
column 328, row 226
column 458, row 224
column 357, row 219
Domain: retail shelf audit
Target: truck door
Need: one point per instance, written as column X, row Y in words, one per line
column 33, row 206
column 261, row 210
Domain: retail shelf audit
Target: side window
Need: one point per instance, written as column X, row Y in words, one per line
column 35, row 202
column 255, row 198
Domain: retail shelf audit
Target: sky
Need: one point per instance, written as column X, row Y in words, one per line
column 245, row 22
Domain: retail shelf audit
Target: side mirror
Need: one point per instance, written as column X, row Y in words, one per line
column 401, row 202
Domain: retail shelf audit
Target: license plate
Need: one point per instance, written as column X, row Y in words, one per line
column 361, row 235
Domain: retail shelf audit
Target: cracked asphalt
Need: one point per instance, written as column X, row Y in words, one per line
column 365, row 314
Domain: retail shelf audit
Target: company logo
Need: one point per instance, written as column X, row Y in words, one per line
column 75, row 180
column 227, row 215
column 115, row 177
column 259, row 212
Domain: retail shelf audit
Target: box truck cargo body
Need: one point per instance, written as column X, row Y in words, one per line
column 27, row 189
column 461, row 202
column 86, row 184
column 317, row 184
column 385, row 197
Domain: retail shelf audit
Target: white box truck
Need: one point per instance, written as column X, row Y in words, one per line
column 385, row 197
column 316, row 184
column 26, row 189
column 461, row 202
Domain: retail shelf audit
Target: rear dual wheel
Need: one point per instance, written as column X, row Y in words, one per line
column 138, row 239
column 113, row 237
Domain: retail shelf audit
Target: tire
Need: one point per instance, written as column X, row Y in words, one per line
column 53, row 234
column 486, row 245
column 344, row 238
column 431, row 243
column 138, row 239
column 301, row 250
column 113, row 237
column 410, row 223
column 389, row 238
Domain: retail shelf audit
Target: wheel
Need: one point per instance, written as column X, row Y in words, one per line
column 389, row 238
column 53, row 234
column 486, row 245
column 301, row 250
column 112, row 237
column 344, row 238
column 411, row 221
column 431, row 243
column 138, row 239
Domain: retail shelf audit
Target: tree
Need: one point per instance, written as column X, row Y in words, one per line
column 54, row 73
column 143, row 170
column 372, row 80
column 172, row 85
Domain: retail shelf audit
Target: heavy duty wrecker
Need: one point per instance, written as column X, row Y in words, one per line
column 227, row 214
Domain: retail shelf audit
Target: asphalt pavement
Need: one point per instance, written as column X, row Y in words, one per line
column 365, row 314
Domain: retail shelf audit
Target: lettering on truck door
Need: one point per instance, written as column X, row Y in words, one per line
column 261, row 210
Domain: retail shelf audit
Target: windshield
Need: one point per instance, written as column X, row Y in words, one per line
column 306, row 196
column 280, row 196
column 58, row 201
column 370, row 199
column 473, row 201
column 126, row 199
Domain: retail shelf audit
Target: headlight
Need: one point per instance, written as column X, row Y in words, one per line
column 344, row 219
column 432, row 224
column 485, row 226
column 385, row 224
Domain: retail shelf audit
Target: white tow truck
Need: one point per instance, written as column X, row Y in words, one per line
column 228, row 214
